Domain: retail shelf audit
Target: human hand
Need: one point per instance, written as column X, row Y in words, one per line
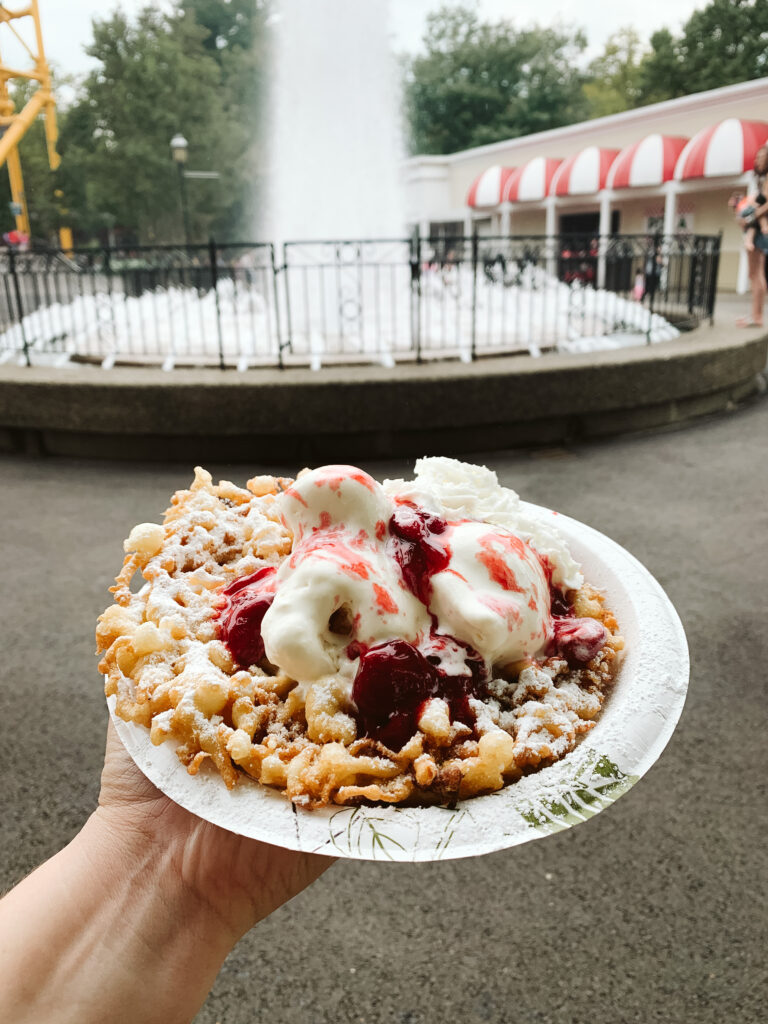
column 132, row 920
column 240, row 880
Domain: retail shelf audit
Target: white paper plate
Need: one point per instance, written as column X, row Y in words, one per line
column 636, row 723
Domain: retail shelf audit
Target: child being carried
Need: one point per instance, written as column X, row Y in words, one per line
column 755, row 228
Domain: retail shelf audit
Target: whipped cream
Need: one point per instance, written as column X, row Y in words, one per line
column 342, row 588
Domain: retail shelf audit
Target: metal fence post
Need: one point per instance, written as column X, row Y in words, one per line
column 287, row 290
column 714, row 269
column 693, row 276
column 213, row 256
column 475, row 247
column 105, row 312
column 277, row 305
column 651, row 260
column 108, row 275
column 19, row 304
column 415, row 268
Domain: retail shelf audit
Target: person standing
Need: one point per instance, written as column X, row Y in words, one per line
column 758, row 262
column 652, row 268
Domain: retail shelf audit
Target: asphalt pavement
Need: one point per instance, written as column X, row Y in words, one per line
column 653, row 911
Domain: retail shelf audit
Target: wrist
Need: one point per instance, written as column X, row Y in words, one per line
column 107, row 930
column 151, row 923
column 132, row 921
column 147, row 858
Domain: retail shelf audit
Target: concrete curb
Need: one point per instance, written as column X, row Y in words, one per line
column 352, row 412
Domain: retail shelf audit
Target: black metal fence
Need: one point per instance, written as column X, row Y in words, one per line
column 346, row 301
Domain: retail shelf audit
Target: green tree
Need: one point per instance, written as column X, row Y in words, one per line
column 662, row 73
column 154, row 79
column 229, row 24
column 614, row 76
column 238, row 38
column 724, row 43
column 478, row 82
column 199, row 69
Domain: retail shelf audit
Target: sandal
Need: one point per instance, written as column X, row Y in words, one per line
column 745, row 321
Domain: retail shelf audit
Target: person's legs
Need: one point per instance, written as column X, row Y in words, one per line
column 757, row 283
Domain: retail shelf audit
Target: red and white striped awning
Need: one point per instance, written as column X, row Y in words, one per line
column 488, row 187
column 584, row 173
column 651, row 161
column 531, row 182
column 727, row 148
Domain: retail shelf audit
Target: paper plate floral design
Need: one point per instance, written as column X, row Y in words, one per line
column 632, row 731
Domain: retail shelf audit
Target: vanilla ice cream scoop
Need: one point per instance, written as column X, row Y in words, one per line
column 342, row 496
column 493, row 595
column 339, row 584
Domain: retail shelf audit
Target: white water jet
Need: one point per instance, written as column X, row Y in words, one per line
column 335, row 141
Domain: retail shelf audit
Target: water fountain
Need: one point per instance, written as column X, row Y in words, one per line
column 334, row 153
column 335, row 138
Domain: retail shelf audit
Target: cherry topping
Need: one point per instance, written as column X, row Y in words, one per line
column 355, row 649
column 558, row 602
column 239, row 620
column 578, row 640
column 416, row 548
column 393, row 681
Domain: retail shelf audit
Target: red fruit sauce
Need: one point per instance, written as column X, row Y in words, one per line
column 417, row 548
column 558, row 603
column 578, row 640
column 240, row 618
column 394, row 680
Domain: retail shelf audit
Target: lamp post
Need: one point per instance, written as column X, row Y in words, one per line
column 179, row 152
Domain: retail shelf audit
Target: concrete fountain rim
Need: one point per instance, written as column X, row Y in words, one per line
column 374, row 411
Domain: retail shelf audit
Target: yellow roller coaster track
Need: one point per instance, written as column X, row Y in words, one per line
column 14, row 125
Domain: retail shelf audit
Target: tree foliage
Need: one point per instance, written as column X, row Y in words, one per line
column 724, row 43
column 150, row 83
column 478, row 82
column 613, row 81
column 661, row 74
column 199, row 67
column 196, row 69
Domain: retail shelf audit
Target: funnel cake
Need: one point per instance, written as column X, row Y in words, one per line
column 345, row 641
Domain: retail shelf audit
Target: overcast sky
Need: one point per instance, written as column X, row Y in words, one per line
column 67, row 23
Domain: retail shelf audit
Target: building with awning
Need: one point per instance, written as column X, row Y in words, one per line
column 665, row 168
column 487, row 190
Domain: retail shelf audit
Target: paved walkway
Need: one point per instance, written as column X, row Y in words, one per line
column 655, row 911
